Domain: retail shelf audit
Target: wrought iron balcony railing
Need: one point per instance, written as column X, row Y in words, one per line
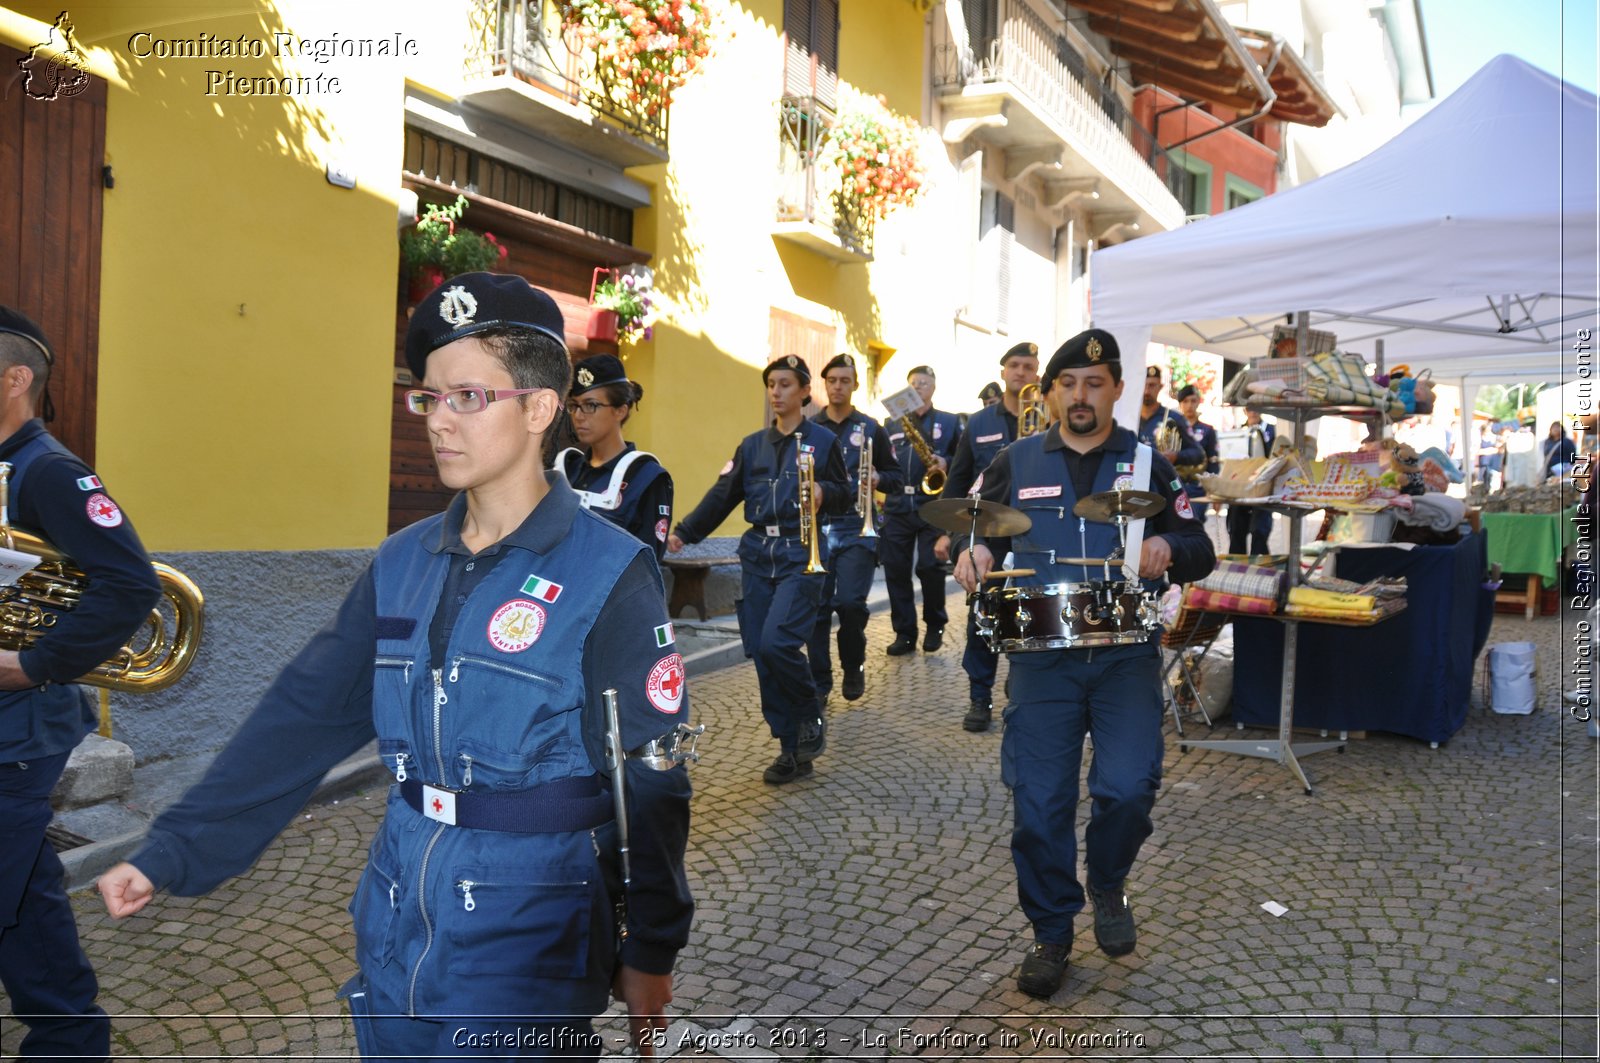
column 808, row 189
column 526, row 40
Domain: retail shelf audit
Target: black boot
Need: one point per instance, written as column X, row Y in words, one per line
column 902, row 645
column 978, row 716
column 855, row 683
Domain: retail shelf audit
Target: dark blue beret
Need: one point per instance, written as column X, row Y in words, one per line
column 1093, row 346
column 839, row 361
column 792, row 362
column 991, row 390
column 1186, row 391
column 19, row 324
column 925, row 370
column 597, row 371
column 1021, row 350
column 476, row 302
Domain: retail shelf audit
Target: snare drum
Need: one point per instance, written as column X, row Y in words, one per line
column 1066, row 616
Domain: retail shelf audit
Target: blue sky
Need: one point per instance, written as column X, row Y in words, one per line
column 1556, row 35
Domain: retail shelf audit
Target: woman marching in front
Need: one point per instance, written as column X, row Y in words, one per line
column 614, row 478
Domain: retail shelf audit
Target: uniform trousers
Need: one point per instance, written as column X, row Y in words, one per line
column 385, row 1032
column 844, row 591
column 42, row 966
column 904, row 536
column 1248, row 522
column 776, row 617
column 978, row 661
column 1058, row 696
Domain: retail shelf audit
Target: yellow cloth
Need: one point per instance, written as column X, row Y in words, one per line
column 1331, row 601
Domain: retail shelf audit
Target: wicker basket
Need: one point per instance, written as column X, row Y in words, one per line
column 1238, row 479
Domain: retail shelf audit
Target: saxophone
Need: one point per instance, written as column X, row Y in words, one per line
column 153, row 660
column 933, row 479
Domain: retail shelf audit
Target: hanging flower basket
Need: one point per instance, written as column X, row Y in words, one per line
column 623, row 306
column 602, row 326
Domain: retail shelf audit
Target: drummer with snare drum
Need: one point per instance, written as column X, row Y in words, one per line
column 1108, row 689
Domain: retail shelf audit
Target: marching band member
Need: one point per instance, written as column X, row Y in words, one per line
column 989, row 431
column 905, row 534
column 488, row 912
column 1153, row 415
column 1205, row 437
column 1059, row 696
column 851, row 556
column 779, row 603
column 622, row 483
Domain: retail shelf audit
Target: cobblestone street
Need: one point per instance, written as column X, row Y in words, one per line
column 1439, row 902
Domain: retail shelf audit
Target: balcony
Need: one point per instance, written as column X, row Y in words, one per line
column 1009, row 79
column 810, row 213
column 524, row 66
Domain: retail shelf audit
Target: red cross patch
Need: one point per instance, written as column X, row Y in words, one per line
column 664, row 687
column 1181, row 505
column 103, row 511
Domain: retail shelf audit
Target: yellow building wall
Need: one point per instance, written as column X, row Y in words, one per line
column 721, row 272
column 247, row 304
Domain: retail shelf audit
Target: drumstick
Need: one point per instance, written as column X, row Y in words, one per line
column 1007, row 573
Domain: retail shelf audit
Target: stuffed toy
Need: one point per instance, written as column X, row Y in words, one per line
column 1408, row 467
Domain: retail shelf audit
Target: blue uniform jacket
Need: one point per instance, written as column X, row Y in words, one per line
column 942, row 431
column 56, row 496
column 1189, row 453
column 764, row 474
column 853, row 432
column 988, row 432
column 452, row 919
column 640, row 502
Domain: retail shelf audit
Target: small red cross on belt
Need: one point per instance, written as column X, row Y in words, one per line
column 438, row 805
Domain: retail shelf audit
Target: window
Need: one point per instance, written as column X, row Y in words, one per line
column 997, row 227
column 1239, row 192
column 1190, row 181
column 811, row 52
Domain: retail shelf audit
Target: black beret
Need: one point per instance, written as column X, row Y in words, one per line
column 18, row 324
column 925, row 370
column 477, row 302
column 991, row 390
column 1187, row 391
column 1021, row 350
column 839, row 361
column 597, row 371
column 1093, row 346
column 792, row 362
column 1152, row 372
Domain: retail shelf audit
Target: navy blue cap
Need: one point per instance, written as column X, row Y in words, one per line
column 597, row 371
column 1188, row 391
column 1093, row 346
column 1024, row 350
column 476, row 302
column 19, row 324
column 792, row 362
column 839, row 361
column 991, row 390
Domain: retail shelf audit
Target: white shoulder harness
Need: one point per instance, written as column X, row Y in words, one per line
column 611, row 497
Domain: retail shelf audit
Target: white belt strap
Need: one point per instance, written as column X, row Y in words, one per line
column 611, row 497
column 1141, row 482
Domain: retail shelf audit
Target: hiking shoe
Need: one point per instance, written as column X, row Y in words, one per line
column 933, row 640
column 855, row 683
column 1043, row 968
column 1114, row 931
column 812, row 742
column 978, row 716
column 786, row 769
column 902, row 645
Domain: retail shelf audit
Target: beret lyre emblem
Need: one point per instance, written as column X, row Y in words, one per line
column 1093, row 350
column 792, row 362
column 585, row 378
column 458, row 306
column 1033, row 349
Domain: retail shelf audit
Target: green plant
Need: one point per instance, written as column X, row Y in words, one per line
column 630, row 301
column 437, row 242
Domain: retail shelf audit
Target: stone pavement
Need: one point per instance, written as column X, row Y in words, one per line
column 1439, row 902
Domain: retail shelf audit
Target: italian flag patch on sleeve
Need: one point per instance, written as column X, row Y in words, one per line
column 90, row 483
column 664, row 635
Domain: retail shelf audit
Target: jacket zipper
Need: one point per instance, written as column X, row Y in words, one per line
column 396, row 662
column 467, row 885
column 495, row 666
column 427, row 924
column 439, row 699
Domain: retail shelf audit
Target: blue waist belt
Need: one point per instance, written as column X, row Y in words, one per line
column 554, row 808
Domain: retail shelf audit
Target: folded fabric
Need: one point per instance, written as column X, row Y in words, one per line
column 1310, row 597
column 1433, row 511
column 1340, row 395
column 1222, row 602
column 1382, row 611
column 1244, row 579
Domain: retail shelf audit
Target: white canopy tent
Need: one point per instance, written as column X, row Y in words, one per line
column 1467, row 244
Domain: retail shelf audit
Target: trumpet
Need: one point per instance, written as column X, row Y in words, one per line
column 152, row 660
column 806, row 464
column 1030, row 411
column 864, row 491
column 933, row 479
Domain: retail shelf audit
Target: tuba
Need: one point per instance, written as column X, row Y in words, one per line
column 153, row 659
column 933, row 479
column 864, row 490
column 806, row 464
column 1030, row 411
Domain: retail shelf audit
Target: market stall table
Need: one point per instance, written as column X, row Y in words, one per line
column 1411, row 675
column 1530, row 544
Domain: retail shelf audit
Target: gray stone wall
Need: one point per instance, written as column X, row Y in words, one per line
column 261, row 608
